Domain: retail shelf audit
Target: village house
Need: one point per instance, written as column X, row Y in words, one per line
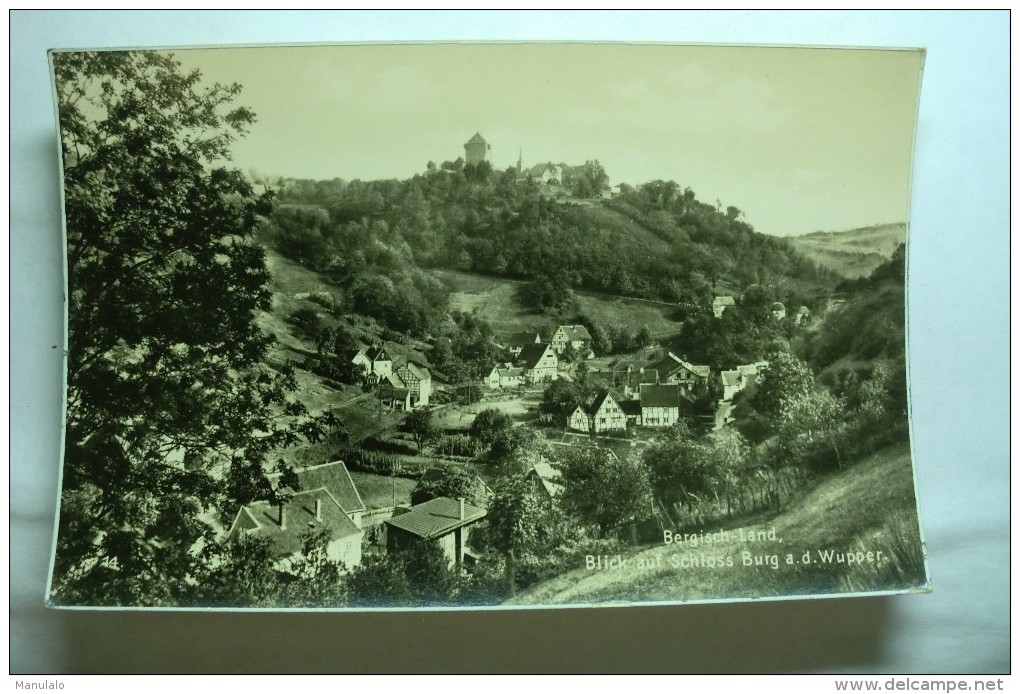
column 802, row 316
column 286, row 525
column 546, row 479
column 663, row 404
column 394, row 397
column 673, row 369
column 362, row 361
column 519, row 341
column 778, row 310
column 604, row 414
column 382, row 364
column 720, row 304
column 634, row 379
column 539, row 363
column 505, row 376
column 443, row 520
column 731, row 384
column 337, row 480
column 632, row 411
column 576, row 336
column 418, row 380
column 735, row 380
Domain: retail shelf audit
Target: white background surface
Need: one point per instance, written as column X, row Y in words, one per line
column 958, row 358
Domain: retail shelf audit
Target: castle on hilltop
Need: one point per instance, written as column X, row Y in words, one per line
column 476, row 150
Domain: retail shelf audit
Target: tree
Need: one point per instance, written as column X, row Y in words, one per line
column 419, row 424
column 490, row 424
column 759, row 411
column 686, row 469
column 451, row 481
column 166, row 382
column 513, row 517
column 603, row 489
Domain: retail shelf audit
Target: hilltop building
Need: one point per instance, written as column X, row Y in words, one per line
column 476, row 150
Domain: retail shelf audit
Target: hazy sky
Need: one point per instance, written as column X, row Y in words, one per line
column 799, row 139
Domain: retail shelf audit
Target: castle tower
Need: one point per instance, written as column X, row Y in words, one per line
column 476, row 150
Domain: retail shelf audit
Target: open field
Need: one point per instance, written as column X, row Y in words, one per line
column 496, row 299
column 853, row 253
column 820, row 544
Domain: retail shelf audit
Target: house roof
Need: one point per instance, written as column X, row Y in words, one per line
column 508, row 371
column 476, row 139
column 436, row 517
column 749, row 369
column 549, row 477
column 522, row 339
column 599, row 400
column 380, row 354
column 419, row 372
column 672, row 363
column 631, row 408
column 532, row 354
column 731, row 378
column 261, row 519
column 336, row 478
column 665, row 395
column 575, row 332
column 396, row 393
column 803, row 310
column 723, row 301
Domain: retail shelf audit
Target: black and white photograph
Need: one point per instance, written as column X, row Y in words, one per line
column 447, row 326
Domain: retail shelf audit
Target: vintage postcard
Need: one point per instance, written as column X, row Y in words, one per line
column 485, row 325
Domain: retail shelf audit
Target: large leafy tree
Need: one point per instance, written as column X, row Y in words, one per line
column 166, row 384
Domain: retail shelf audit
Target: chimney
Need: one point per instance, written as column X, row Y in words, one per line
column 461, row 500
column 283, row 519
column 318, row 509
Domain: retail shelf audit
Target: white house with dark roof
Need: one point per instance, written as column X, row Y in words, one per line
column 539, row 363
column 673, row 369
column 577, row 336
column 662, row 404
column 505, row 376
column 604, row 414
column 518, row 341
column 362, row 361
column 721, row 303
column 285, row 526
column 443, row 520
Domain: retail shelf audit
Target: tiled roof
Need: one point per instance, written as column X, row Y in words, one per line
column 476, row 139
column 575, row 333
column 522, row 339
column 337, row 479
column 672, row 363
column 436, row 517
column 549, row 477
column 667, row 395
column 419, row 372
column 631, row 408
column 532, row 354
column 299, row 519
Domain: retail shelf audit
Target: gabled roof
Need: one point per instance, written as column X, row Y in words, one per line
column 723, row 301
column 549, row 477
column 299, row 519
column 395, row 393
column 731, row 378
column 419, row 372
column 600, row 400
column 336, row 478
column 476, row 139
column 508, row 371
column 672, row 363
column 395, row 381
column 666, row 395
column 436, row 517
column 574, row 332
column 532, row 354
column 522, row 339
column 750, row 369
column 380, row 354
column 631, row 408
